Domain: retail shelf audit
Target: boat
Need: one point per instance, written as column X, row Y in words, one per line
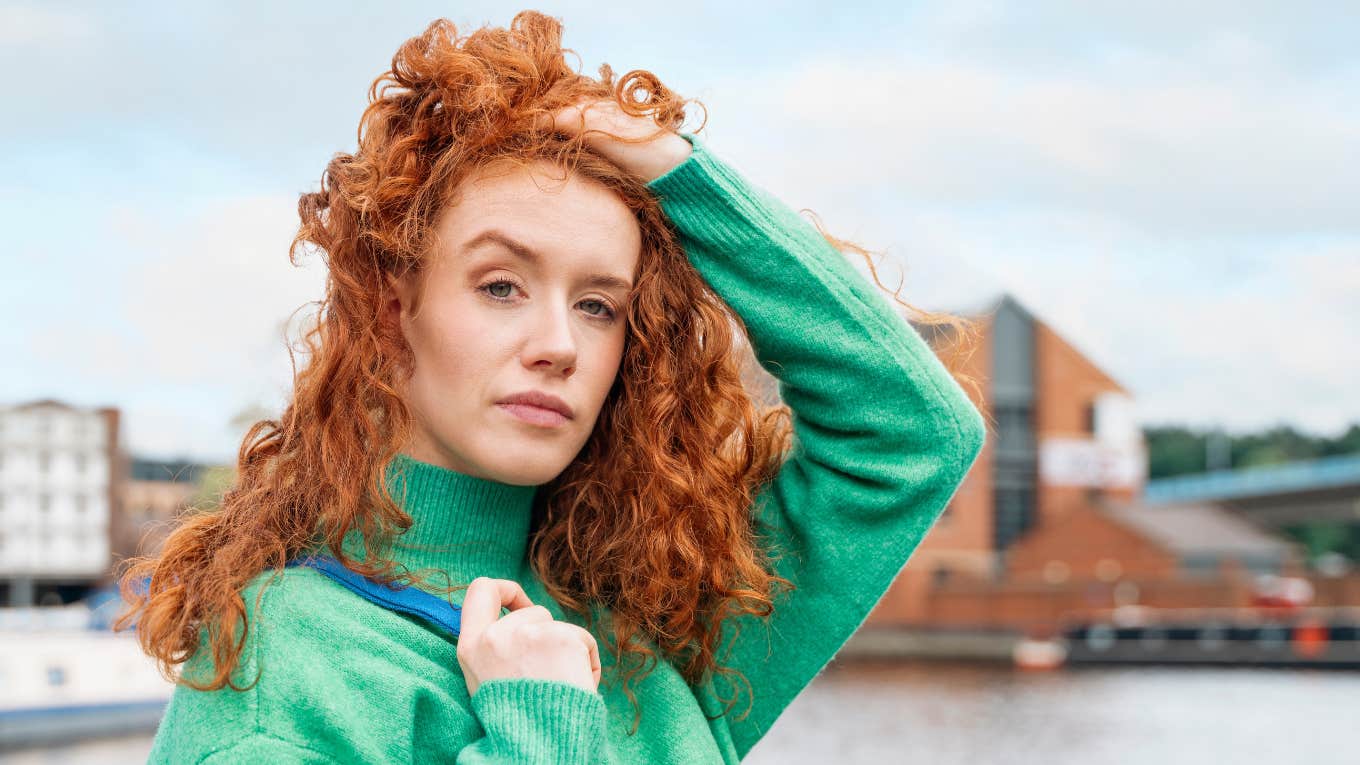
column 67, row 678
column 1284, row 637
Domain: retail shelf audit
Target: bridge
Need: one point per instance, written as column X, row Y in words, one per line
column 1274, row 496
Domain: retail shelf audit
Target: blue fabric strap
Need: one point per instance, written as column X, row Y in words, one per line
column 406, row 599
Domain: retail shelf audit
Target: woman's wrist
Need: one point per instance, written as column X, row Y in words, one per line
column 664, row 155
column 647, row 160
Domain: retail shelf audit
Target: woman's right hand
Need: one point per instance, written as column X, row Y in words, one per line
column 527, row 642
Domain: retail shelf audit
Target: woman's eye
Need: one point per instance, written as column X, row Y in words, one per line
column 497, row 285
column 603, row 308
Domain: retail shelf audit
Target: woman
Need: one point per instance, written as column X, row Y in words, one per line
column 524, row 392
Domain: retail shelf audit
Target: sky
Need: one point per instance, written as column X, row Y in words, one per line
column 1173, row 187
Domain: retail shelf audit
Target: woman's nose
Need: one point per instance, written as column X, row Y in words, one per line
column 551, row 342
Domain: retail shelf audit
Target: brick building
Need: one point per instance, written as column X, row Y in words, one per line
column 1049, row 520
column 154, row 495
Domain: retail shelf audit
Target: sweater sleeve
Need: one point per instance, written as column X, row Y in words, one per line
column 536, row 721
column 883, row 435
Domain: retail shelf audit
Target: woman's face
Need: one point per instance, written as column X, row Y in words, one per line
column 524, row 293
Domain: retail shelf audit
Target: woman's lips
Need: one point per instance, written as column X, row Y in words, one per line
column 534, row 415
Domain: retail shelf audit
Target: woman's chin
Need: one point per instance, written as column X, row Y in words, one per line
column 526, row 468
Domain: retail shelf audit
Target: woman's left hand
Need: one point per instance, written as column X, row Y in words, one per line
column 649, row 160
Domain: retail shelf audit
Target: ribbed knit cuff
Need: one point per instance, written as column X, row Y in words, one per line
column 714, row 193
column 541, row 721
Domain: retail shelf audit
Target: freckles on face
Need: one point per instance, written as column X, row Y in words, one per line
column 524, row 292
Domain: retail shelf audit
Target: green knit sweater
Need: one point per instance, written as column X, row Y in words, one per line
column 883, row 437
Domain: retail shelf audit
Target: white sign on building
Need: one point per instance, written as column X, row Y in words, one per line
column 1114, row 457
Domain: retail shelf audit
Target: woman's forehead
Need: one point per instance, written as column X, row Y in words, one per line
column 532, row 214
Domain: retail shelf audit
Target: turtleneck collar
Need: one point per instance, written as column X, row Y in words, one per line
column 461, row 524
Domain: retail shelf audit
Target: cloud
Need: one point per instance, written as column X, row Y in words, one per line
column 42, row 25
column 1212, row 143
column 1277, row 352
column 197, row 325
column 1304, row 38
column 212, row 301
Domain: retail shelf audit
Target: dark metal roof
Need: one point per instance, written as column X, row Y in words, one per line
column 1197, row 529
column 177, row 471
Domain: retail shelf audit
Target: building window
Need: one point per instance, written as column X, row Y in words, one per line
column 1090, row 423
column 1014, row 427
column 44, row 502
column 44, row 462
column 1212, row 638
column 1014, row 514
column 80, row 463
column 81, row 503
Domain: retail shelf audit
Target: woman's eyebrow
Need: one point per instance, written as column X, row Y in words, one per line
column 526, row 253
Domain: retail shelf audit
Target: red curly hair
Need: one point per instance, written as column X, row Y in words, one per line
column 652, row 519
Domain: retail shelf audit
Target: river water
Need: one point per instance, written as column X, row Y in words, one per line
column 974, row 714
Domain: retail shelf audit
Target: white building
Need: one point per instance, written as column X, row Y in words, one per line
column 58, row 479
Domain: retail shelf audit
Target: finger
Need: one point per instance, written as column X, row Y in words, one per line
column 593, row 649
column 595, row 665
column 571, row 119
column 576, row 633
column 558, row 120
column 483, row 603
column 595, row 661
column 530, row 615
column 546, row 121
